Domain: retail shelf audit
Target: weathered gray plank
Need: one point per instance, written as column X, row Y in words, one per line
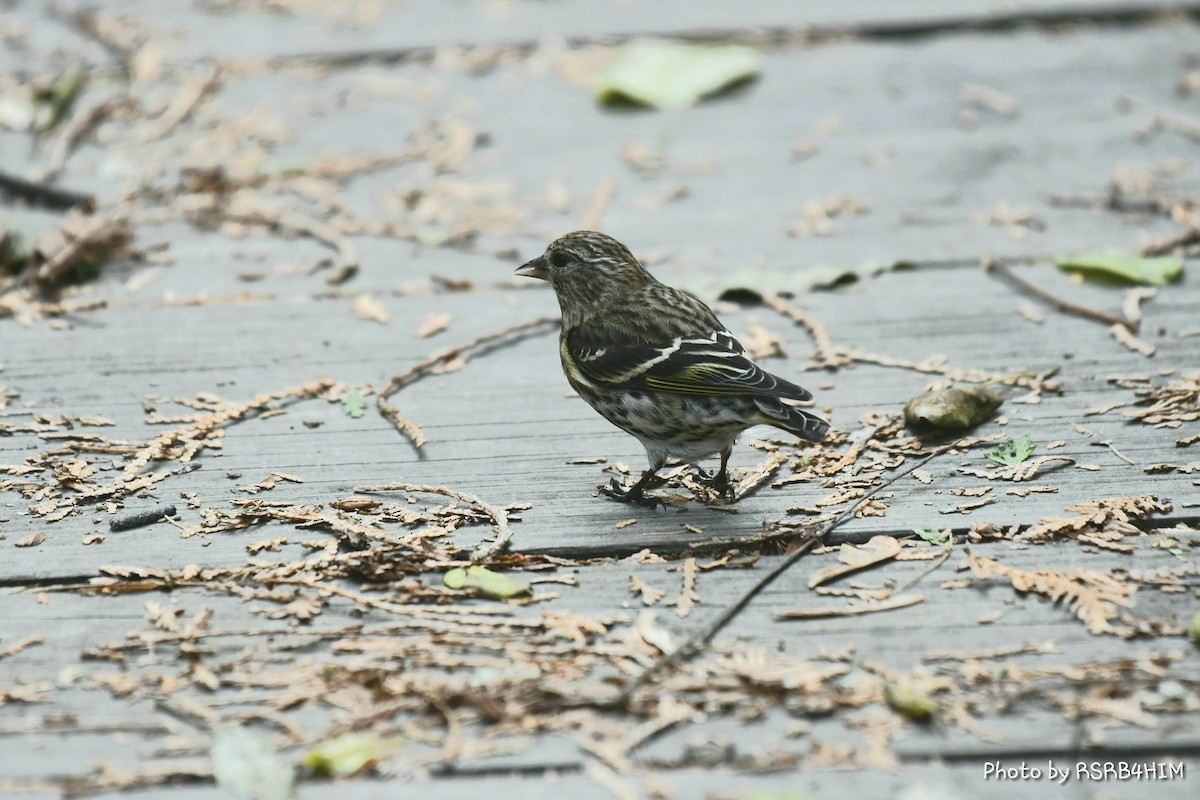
column 895, row 101
column 898, row 640
column 198, row 31
column 502, row 427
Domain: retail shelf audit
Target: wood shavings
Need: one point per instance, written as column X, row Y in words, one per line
column 762, row 344
column 816, row 217
column 758, row 475
column 1008, row 651
column 1025, row 491
column 254, row 548
column 1103, row 408
column 270, row 482
column 1030, row 312
column 1131, row 304
column 369, row 308
column 189, row 94
column 498, row 515
column 433, row 322
column 989, row 99
column 1123, row 335
column 647, row 556
column 968, row 507
column 21, row 644
column 824, row 352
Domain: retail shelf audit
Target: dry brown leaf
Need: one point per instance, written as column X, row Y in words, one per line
column 1095, row 597
column 890, row 604
column 856, row 557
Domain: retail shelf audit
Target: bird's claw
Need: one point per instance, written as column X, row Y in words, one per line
column 623, row 494
column 719, row 482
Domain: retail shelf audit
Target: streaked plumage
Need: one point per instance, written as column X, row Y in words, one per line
column 656, row 362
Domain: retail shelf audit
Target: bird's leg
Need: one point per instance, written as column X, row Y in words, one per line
column 635, row 493
column 719, row 482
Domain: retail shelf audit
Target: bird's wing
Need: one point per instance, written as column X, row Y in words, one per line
column 701, row 365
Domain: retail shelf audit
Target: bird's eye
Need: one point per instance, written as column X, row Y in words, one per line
column 559, row 260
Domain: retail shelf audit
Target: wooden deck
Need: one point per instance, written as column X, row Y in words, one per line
column 426, row 151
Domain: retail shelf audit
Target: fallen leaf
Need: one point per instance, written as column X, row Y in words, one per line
column 911, row 703
column 856, row 557
column 348, row 754
column 954, row 408
column 670, row 74
column 1125, row 268
column 354, row 404
column 487, row 582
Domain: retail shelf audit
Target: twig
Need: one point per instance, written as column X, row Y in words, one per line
column 78, row 129
column 405, row 425
column 452, row 745
column 824, row 352
column 186, row 100
column 42, row 195
column 992, row 266
column 1166, row 246
column 52, row 272
column 697, row 640
column 917, row 579
column 498, row 515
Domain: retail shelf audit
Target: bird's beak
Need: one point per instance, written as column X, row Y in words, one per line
column 535, row 269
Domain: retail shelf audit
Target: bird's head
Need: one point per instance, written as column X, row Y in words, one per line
column 588, row 270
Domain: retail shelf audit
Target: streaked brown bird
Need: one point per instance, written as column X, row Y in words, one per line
column 657, row 363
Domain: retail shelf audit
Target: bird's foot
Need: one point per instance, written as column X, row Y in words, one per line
column 719, row 482
column 625, row 494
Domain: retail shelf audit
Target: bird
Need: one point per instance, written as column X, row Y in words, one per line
column 656, row 362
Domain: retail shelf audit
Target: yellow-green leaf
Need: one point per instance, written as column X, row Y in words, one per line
column 1123, row 268
column 909, row 702
column 348, row 754
column 667, row 74
column 491, row 584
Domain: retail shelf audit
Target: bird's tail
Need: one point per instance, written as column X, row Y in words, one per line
column 795, row 421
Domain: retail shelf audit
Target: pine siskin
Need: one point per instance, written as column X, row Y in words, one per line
column 657, row 363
